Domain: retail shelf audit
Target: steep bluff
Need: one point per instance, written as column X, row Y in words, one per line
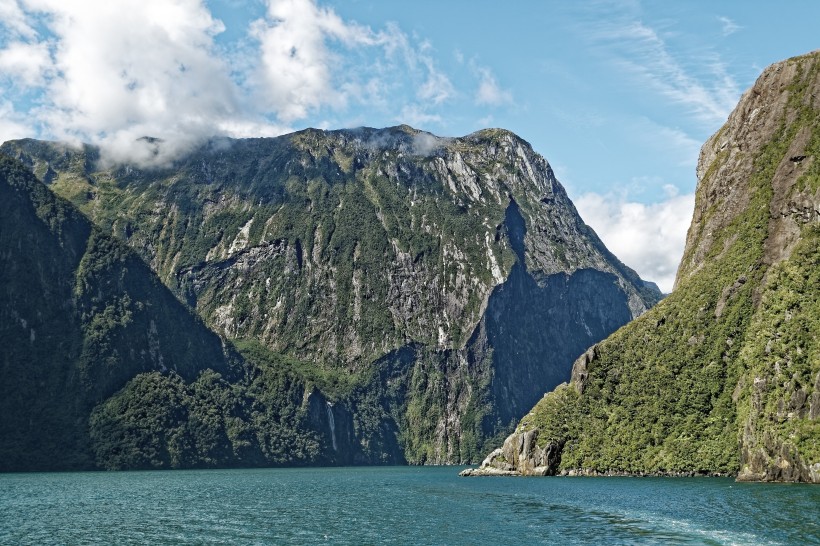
column 723, row 376
column 343, row 249
column 80, row 315
column 102, row 367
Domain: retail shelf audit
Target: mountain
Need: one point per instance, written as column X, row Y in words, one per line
column 723, row 376
column 429, row 288
column 102, row 367
column 80, row 315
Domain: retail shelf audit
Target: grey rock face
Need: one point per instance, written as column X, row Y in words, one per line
column 520, row 456
column 722, row 377
column 340, row 248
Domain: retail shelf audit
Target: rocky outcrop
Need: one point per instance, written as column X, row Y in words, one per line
column 341, row 248
column 520, row 456
column 723, row 376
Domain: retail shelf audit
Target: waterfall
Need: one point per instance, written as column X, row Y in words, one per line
column 332, row 422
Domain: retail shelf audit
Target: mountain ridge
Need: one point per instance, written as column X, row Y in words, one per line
column 723, row 376
column 357, row 250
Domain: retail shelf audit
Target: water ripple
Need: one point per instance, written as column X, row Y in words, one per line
column 397, row 505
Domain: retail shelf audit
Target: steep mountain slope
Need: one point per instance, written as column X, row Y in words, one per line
column 80, row 314
column 723, row 376
column 101, row 366
column 441, row 283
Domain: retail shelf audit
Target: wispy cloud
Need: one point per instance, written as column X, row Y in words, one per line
column 710, row 93
column 437, row 87
column 673, row 143
column 728, row 26
column 489, row 92
column 417, row 116
column 647, row 237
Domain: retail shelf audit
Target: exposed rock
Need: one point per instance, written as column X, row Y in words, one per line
column 520, row 456
column 722, row 377
column 341, row 248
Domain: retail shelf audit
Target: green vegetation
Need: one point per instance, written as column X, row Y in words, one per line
column 733, row 351
column 344, row 268
column 782, row 354
column 80, row 316
column 159, row 421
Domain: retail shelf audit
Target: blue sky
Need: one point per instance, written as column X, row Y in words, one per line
column 618, row 96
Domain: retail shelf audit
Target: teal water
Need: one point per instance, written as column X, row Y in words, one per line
column 397, row 505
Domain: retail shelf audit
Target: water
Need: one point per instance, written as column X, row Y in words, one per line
column 397, row 505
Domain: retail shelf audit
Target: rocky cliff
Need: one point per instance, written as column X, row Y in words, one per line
column 102, row 367
column 80, row 315
column 723, row 376
column 431, row 287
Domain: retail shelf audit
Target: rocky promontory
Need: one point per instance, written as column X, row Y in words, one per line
column 723, row 376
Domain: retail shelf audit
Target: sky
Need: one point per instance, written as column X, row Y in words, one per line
column 617, row 95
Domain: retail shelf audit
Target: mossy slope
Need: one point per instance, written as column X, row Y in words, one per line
column 343, row 249
column 723, row 376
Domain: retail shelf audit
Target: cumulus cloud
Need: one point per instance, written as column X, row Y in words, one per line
column 296, row 64
column 110, row 73
column 14, row 20
column 24, row 63
column 647, row 237
column 306, row 65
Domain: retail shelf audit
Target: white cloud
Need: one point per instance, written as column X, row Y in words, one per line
column 647, row 237
column 728, row 26
column 426, row 143
column 296, row 62
column 417, row 116
column 489, row 92
column 673, row 143
column 118, row 71
column 486, row 121
column 311, row 58
column 110, row 73
column 12, row 125
column 639, row 49
column 437, row 88
column 13, row 18
column 24, row 63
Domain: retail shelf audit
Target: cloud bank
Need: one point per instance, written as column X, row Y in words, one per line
column 110, row 73
column 648, row 238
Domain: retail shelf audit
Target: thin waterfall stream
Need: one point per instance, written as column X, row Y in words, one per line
column 332, row 422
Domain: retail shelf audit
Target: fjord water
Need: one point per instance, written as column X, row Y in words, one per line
column 397, row 505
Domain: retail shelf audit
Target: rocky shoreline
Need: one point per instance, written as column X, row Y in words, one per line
column 589, row 473
column 521, row 456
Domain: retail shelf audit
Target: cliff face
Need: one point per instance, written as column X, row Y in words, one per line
column 723, row 376
column 102, row 367
column 80, row 315
column 344, row 249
